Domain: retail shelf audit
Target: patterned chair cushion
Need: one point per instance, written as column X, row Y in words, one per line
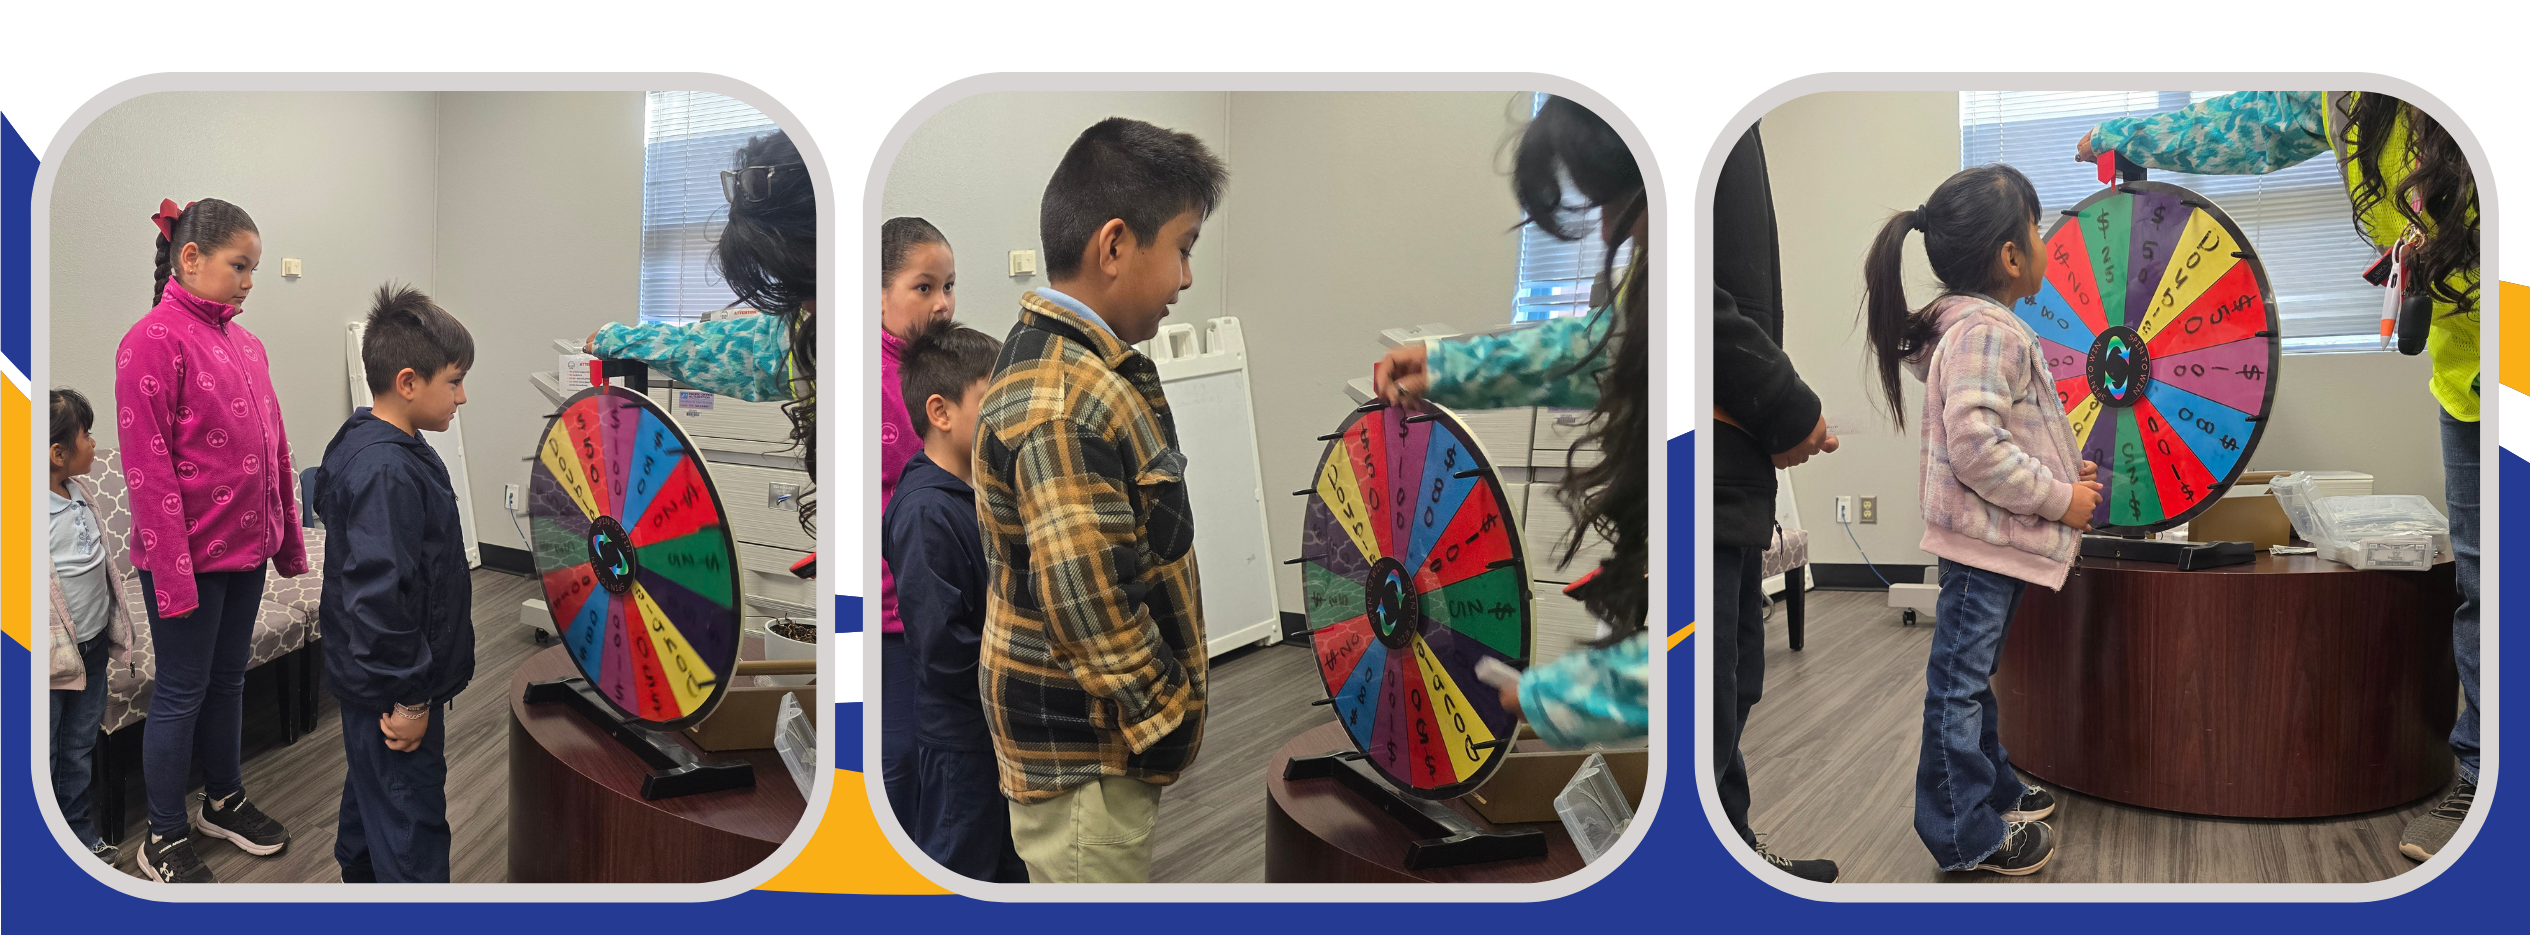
column 286, row 622
column 1789, row 550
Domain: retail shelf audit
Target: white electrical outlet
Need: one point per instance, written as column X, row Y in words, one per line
column 509, row 497
column 1844, row 510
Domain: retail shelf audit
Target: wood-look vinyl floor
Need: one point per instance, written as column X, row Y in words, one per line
column 1211, row 827
column 300, row 785
column 1831, row 759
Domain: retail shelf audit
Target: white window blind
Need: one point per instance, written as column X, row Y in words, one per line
column 691, row 137
column 1555, row 275
column 2298, row 220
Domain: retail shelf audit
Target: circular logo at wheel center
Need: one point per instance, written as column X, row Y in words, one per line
column 2118, row 368
column 1391, row 602
column 612, row 556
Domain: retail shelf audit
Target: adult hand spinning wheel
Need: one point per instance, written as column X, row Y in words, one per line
column 1413, row 576
column 2159, row 328
column 641, row 577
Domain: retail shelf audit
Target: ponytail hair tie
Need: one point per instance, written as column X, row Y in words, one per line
column 166, row 217
column 1918, row 222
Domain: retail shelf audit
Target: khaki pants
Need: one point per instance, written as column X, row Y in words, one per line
column 1096, row 833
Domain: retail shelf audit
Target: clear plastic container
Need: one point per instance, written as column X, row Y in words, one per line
column 1593, row 808
column 796, row 740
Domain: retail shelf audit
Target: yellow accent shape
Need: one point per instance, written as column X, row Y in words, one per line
column 2513, row 360
column 849, row 854
column 565, row 465
column 1343, row 496
column 688, row 677
column 1681, row 635
column 14, row 515
column 2204, row 254
column 2084, row 414
column 1460, row 728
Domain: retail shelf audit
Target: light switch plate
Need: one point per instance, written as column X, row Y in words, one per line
column 289, row 267
column 1023, row 262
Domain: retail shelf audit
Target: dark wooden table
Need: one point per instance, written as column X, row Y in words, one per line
column 577, row 815
column 1316, row 831
column 2293, row 687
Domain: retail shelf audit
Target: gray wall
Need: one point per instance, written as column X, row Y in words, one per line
column 1346, row 214
column 520, row 213
column 343, row 182
column 539, row 237
column 1840, row 164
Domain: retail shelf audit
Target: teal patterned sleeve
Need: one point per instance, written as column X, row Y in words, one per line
column 1547, row 364
column 1591, row 694
column 742, row 357
column 2241, row 133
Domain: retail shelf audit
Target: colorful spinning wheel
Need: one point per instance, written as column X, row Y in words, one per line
column 640, row 573
column 1413, row 574
column 2160, row 330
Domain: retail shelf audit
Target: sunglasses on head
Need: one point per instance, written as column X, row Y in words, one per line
column 751, row 184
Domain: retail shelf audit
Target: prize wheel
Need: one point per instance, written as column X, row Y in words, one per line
column 639, row 569
column 1413, row 574
column 2159, row 329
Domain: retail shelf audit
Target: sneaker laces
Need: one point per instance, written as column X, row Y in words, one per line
column 1770, row 856
column 2455, row 807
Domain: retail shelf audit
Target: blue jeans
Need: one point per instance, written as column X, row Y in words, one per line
column 1964, row 782
column 77, row 716
column 200, row 705
column 2459, row 492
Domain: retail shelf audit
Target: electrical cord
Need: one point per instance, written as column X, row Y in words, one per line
column 1866, row 556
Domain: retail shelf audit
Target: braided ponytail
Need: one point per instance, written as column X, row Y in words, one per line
column 209, row 225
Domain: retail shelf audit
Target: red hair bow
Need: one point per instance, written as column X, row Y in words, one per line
column 167, row 215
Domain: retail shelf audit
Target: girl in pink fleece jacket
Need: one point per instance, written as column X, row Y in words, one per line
column 2005, row 497
column 208, row 466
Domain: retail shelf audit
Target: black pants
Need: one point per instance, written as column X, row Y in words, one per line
column 393, row 827
column 963, row 822
column 1739, row 672
column 199, row 706
column 896, row 728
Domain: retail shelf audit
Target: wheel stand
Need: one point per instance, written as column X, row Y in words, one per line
column 1448, row 839
column 675, row 770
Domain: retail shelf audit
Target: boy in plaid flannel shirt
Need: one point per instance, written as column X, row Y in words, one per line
column 1093, row 651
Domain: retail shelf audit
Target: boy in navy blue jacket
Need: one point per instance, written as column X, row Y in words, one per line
column 930, row 537
column 397, row 611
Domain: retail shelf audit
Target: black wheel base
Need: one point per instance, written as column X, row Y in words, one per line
column 1908, row 618
column 674, row 770
column 1448, row 839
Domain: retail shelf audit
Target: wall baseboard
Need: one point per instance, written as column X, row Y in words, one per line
column 1837, row 576
column 518, row 562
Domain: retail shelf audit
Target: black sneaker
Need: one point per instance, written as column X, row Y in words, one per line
column 242, row 824
column 171, row 860
column 1816, row 871
column 2429, row 833
column 2035, row 803
column 106, row 852
column 2027, row 846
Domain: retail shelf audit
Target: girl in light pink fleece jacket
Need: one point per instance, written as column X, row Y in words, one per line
column 208, row 466
column 2005, row 496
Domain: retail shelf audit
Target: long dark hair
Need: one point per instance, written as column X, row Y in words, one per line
column 1969, row 218
column 768, row 255
column 2438, row 177
column 208, row 224
column 1566, row 141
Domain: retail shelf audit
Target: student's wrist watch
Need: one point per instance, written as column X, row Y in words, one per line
column 412, row 712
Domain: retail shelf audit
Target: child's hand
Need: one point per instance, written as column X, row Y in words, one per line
column 1400, row 377
column 589, row 346
column 1511, row 702
column 2086, row 499
column 2090, row 471
column 2082, row 151
column 404, row 735
column 1819, row 442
